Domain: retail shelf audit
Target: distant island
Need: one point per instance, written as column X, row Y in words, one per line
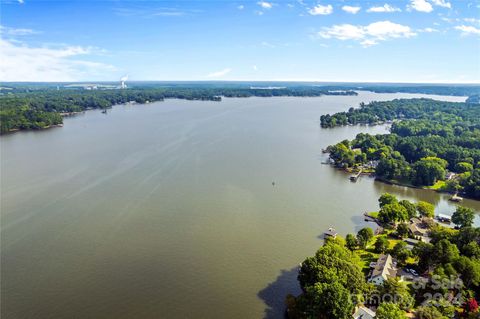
column 431, row 144
column 411, row 267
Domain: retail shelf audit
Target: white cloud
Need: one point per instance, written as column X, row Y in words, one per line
column 368, row 43
column 383, row 30
column 367, row 35
column 385, row 8
column 442, row 3
column 321, row 10
column 25, row 63
column 351, row 9
column 265, row 4
column 16, row 31
column 449, row 20
column 427, row 30
column 219, row 74
column 343, row 32
column 468, row 29
column 241, row 7
column 420, row 5
column 21, row 1
column 267, row 44
column 145, row 12
column 472, row 20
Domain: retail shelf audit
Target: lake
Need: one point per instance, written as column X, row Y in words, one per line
column 167, row 210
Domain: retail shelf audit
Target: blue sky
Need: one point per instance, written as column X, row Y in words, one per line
column 328, row 40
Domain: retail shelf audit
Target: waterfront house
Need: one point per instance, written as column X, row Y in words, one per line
column 364, row 313
column 384, row 269
column 418, row 229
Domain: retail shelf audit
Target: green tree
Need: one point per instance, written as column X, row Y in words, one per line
column 327, row 300
column 472, row 250
column 429, row 313
column 463, row 167
column 399, row 291
column 402, row 230
column 332, row 262
column 445, row 252
column 410, row 207
column 391, row 213
column 381, row 244
column 389, row 310
column 401, row 252
column 386, row 199
column 425, row 209
column 425, row 254
column 428, row 170
column 463, row 217
column 469, row 270
column 364, row 235
column 351, row 242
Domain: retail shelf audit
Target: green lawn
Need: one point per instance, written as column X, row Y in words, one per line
column 438, row 185
column 373, row 214
column 392, row 242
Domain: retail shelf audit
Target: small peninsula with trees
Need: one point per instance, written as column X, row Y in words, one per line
column 431, row 144
column 411, row 267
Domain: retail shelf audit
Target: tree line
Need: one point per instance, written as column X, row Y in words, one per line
column 40, row 108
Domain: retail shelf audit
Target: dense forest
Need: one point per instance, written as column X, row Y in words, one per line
column 431, row 143
column 440, row 278
column 35, row 108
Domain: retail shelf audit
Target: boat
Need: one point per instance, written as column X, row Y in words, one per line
column 456, row 198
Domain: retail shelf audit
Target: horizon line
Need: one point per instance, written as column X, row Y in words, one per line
column 250, row 81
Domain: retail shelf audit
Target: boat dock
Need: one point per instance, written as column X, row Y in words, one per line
column 355, row 177
column 331, row 232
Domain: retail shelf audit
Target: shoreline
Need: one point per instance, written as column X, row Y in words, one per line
column 15, row 130
column 397, row 183
column 214, row 99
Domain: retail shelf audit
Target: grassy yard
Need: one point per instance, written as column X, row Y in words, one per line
column 367, row 256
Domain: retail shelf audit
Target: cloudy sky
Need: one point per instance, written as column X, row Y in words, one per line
column 327, row 40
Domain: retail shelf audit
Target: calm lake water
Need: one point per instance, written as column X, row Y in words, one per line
column 167, row 210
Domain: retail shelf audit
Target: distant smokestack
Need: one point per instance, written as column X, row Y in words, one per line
column 123, row 79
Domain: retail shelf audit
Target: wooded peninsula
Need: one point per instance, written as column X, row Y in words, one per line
column 431, row 143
